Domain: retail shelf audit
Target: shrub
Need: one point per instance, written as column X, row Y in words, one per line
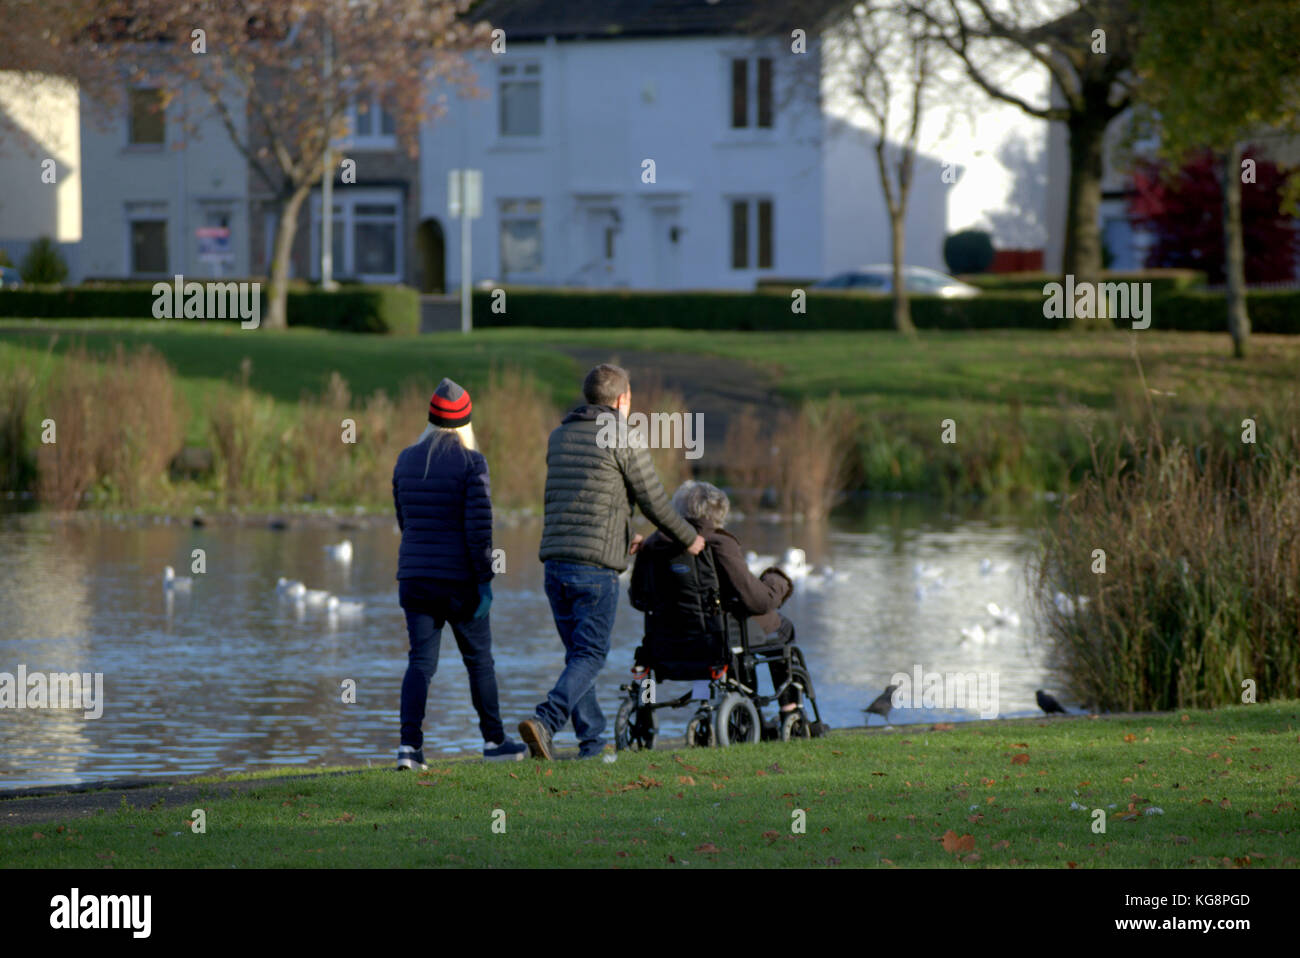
column 1202, row 551
column 1271, row 311
column 43, row 264
column 562, row 308
column 358, row 309
column 245, row 440
column 116, row 425
column 142, row 428
column 1163, row 281
column 968, row 251
column 17, row 394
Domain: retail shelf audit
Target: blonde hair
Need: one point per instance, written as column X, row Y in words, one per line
column 437, row 435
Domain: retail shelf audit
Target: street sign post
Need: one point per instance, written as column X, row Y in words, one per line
column 465, row 199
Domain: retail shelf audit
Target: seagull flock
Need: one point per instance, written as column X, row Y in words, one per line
column 303, row 597
column 291, row 590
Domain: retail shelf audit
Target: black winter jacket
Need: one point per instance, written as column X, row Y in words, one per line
column 446, row 517
column 590, row 491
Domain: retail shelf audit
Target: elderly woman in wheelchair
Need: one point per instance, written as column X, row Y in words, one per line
column 712, row 622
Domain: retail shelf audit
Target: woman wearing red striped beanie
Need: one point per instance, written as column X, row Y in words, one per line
column 444, row 569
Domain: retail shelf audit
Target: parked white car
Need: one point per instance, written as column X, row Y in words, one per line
column 879, row 278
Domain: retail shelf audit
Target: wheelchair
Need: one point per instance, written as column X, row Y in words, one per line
column 690, row 636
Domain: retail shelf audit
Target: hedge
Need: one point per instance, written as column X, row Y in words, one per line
column 535, row 306
column 1271, row 311
column 1163, row 281
column 359, row 309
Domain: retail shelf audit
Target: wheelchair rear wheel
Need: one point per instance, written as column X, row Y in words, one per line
column 737, row 721
column 634, row 729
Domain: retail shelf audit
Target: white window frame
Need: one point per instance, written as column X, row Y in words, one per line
column 149, row 211
column 506, row 213
column 374, row 140
column 520, row 72
column 346, row 218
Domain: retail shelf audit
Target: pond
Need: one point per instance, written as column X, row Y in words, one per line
column 231, row 676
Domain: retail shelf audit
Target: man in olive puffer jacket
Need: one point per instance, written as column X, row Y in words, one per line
column 591, row 485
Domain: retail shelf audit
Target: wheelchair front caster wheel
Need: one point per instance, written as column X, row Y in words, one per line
column 635, row 729
column 699, row 730
column 795, row 725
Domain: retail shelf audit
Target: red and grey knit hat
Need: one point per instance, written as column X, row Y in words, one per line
column 450, row 406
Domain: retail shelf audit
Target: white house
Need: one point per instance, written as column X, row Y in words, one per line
column 623, row 149
column 152, row 177
column 629, row 143
column 40, row 165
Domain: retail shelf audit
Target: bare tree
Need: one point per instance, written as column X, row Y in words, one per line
column 882, row 57
column 283, row 76
column 1088, row 47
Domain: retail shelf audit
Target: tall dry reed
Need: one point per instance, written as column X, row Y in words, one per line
column 813, row 451
column 246, row 442
column 17, row 393
column 748, row 460
column 650, row 396
column 117, row 425
column 1199, row 592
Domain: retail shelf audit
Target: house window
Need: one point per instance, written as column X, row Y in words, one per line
column 751, row 234
column 373, row 127
column 520, row 86
column 739, row 93
column 751, row 93
column 147, row 238
column 365, row 236
column 374, row 239
column 521, row 236
column 147, row 122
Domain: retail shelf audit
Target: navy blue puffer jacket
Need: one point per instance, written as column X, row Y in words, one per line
column 446, row 516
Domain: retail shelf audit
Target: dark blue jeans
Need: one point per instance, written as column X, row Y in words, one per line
column 583, row 600
column 429, row 604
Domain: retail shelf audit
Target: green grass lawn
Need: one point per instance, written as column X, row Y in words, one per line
column 974, row 795
column 1041, row 371
column 1026, row 403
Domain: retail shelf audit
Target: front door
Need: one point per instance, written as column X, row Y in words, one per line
column 600, row 265
column 667, row 246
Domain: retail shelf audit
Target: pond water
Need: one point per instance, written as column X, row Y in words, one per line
column 232, row 677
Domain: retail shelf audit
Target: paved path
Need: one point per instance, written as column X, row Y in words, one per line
column 714, row 386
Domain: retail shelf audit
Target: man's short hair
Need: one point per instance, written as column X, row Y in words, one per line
column 604, row 384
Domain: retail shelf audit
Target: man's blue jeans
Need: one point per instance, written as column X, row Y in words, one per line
column 583, row 600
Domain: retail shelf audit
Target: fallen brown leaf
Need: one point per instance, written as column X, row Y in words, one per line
column 952, row 842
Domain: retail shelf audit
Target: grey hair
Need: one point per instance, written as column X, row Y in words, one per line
column 463, row 435
column 702, row 500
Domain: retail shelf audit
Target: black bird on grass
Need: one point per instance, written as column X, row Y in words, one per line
column 883, row 703
column 1047, row 703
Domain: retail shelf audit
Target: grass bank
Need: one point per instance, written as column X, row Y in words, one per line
column 1023, row 404
column 974, row 795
